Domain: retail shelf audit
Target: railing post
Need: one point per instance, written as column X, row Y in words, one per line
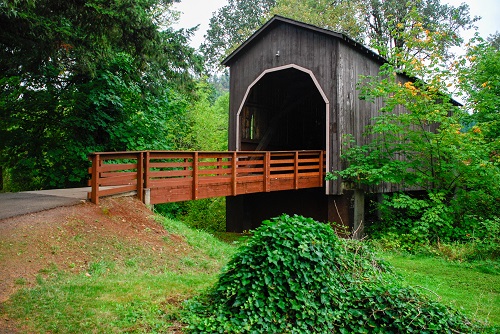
column 147, row 158
column 321, row 167
column 234, row 166
column 94, row 183
column 267, row 171
column 296, row 171
column 195, row 175
column 140, row 176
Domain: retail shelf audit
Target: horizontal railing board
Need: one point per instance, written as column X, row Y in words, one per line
column 117, row 190
column 170, row 173
column 116, row 182
column 117, row 167
column 178, row 176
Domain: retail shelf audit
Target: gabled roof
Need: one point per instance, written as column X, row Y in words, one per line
column 346, row 39
column 280, row 19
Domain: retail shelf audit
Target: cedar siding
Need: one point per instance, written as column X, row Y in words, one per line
column 335, row 62
column 293, row 87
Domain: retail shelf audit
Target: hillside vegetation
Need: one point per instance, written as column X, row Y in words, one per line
column 118, row 267
column 112, row 268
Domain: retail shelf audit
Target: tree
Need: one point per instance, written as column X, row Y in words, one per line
column 479, row 80
column 426, row 146
column 231, row 25
column 210, row 120
column 387, row 21
column 340, row 16
column 78, row 77
column 376, row 23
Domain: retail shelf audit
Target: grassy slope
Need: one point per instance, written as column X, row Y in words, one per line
column 142, row 293
column 474, row 289
column 139, row 294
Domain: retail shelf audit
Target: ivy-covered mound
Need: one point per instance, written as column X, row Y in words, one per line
column 296, row 276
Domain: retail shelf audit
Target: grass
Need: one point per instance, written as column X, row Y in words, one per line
column 142, row 295
column 473, row 288
column 116, row 302
column 137, row 295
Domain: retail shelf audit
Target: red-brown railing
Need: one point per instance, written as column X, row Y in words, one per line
column 165, row 176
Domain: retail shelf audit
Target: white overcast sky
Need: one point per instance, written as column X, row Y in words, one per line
column 199, row 12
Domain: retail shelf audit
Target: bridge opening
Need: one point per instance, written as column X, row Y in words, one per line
column 284, row 110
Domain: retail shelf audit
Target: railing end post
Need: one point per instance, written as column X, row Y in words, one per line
column 94, row 181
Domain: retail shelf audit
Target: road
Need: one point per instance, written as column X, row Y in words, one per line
column 16, row 204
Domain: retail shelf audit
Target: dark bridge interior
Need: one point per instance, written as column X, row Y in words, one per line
column 284, row 111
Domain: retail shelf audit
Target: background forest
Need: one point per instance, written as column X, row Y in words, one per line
column 87, row 76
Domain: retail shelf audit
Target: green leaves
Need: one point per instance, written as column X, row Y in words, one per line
column 296, row 276
column 422, row 140
column 78, row 77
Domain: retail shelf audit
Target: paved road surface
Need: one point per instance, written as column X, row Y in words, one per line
column 16, row 204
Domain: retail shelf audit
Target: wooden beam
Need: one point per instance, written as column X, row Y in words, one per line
column 267, row 171
column 94, row 183
column 140, row 176
column 147, row 167
column 296, row 170
column 233, row 173
column 321, row 167
column 195, row 175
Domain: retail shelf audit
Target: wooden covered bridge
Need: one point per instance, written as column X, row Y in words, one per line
column 293, row 98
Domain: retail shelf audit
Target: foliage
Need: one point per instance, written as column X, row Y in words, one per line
column 485, row 237
column 416, row 220
column 231, row 25
column 388, row 21
column 209, row 120
column 418, row 141
column 479, row 81
column 296, row 276
column 340, row 16
column 207, row 214
column 220, row 82
column 375, row 22
column 78, row 77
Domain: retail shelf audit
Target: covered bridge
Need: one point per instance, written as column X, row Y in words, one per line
column 293, row 87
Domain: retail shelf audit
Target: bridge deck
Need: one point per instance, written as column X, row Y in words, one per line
column 180, row 176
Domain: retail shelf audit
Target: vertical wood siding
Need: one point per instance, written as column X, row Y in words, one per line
column 335, row 64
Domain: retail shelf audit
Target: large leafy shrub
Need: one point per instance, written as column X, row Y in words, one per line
column 296, row 276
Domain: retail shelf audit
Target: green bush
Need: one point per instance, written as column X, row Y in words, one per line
column 204, row 214
column 296, row 276
column 427, row 224
column 485, row 237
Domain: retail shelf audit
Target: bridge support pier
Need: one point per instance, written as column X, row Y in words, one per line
column 147, row 196
column 359, row 214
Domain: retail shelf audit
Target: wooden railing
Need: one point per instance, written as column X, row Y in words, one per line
column 164, row 176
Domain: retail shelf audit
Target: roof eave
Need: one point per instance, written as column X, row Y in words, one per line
column 275, row 18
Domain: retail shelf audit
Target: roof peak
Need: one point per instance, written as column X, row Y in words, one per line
column 278, row 18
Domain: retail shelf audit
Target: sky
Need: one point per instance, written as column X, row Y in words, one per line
column 199, row 12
